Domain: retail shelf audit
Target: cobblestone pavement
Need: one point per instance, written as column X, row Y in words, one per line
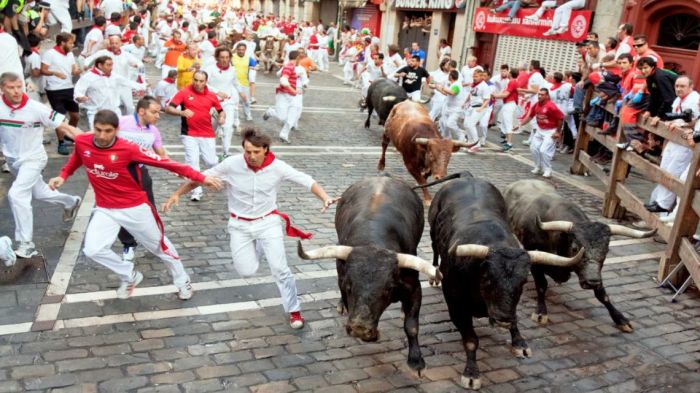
column 234, row 336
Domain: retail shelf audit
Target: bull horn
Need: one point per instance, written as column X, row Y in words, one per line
column 408, row 261
column 469, row 250
column 420, row 141
column 629, row 232
column 389, row 98
column 327, row 252
column 545, row 258
column 464, row 143
column 563, row 226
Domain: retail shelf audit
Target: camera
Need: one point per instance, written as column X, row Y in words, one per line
column 686, row 116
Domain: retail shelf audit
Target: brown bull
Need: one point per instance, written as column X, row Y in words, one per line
column 270, row 53
column 416, row 137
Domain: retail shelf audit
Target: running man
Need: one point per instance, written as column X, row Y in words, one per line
column 110, row 163
column 22, row 123
column 245, row 70
column 252, row 181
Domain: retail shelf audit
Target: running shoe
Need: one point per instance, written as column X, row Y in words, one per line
column 129, row 254
column 296, row 321
column 127, row 287
column 70, row 213
column 26, row 250
column 185, row 292
column 7, row 256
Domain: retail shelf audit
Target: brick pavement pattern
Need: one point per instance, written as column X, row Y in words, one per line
column 255, row 350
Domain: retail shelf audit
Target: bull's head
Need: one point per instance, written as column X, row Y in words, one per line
column 504, row 273
column 594, row 237
column 438, row 153
column 367, row 276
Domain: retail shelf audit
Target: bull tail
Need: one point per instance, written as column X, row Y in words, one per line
column 444, row 179
column 389, row 98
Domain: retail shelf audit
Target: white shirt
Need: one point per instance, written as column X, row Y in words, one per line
column 100, row 90
column 224, row 81
column 454, row 102
column 22, row 131
column 110, row 6
column 138, row 53
column 479, row 94
column 112, row 29
column 10, row 55
column 689, row 102
column 254, row 194
column 536, row 81
column 94, row 35
column 467, row 74
column 288, row 48
column 561, row 96
column 34, row 62
column 122, row 62
column 164, row 91
column 58, row 62
column 445, row 51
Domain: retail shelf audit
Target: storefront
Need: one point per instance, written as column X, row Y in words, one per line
column 368, row 16
column 425, row 22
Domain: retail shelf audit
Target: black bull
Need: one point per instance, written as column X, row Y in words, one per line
column 483, row 265
column 544, row 220
column 382, row 95
column 379, row 222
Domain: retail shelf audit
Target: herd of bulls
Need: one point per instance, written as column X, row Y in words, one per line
column 484, row 243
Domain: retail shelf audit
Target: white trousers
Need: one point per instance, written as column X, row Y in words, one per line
column 562, row 14
column 365, row 82
column 287, row 109
column 141, row 223
column 414, row 95
column 60, row 14
column 348, row 72
column 436, row 104
column 196, row 147
column 571, row 122
column 29, row 184
column 675, row 160
column 542, row 147
column 471, row 120
column 127, row 100
column 230, row 107
column 483, row 125
column 268, row 233
column 245, row 104
column 323, row 63
column 507, row 117
column 449, row 125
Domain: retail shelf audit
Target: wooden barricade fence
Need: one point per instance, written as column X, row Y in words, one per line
column 619, row 198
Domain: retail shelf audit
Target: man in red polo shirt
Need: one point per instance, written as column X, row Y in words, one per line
column 549, row 120
column 194, row 103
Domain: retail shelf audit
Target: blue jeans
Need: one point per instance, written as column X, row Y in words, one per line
column 513, row 5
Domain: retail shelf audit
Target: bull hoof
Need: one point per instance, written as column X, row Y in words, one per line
column 434, row 282
column 341, row 308
column 542, row 319
column 380, row 167
column 367, row 124
column 471, row 383
column 402, row 315
column 521, row 353
column 626, row 328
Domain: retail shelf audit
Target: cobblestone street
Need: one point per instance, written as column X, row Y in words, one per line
column 71, row 334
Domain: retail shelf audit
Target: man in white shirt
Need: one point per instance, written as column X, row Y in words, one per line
column 114, row 26
column 675, row 158
column 22, row 123
column 467, row 72
column 477, row 109
column 373, row 71
column 223, row 82
column 94, row 38
column 95, row 88
column 58, row 13
column 252, row 181
column 59, row 67
column 166, row 88
column 110, row 7
column 124, row 62
column 535, row 83
column 10, row 54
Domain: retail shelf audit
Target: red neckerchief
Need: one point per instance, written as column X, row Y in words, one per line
column 555, row 86
column 269, row 157
column 223, row 69
column 116, row 53
column 35, row 50
column 169, row 80
column 214, row 42
column 21, row 105
column 677, row 109
column 96, row 71
column 96, row 27
column 59, row 50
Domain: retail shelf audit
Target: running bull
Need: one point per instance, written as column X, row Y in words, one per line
column 414, row 134
column 483, row 266
column 379, row 222
column 382, row 95
column 544, row 220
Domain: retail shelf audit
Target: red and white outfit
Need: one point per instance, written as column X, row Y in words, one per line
column 197, row 133
column 165, row 90
column 120, row 202
column 542, row 146
column 124, row 62
column 21, row 136
column 510, row 106
column 253, row 217
column 225, row 80
column 288, row 105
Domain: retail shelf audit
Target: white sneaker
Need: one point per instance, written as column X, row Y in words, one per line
column 7, row 256
column 196, row 196
column 526, row 142
column 127, row 287
column 249, row 118
column 536, row 171
column 532, row 17
column 129, row 254
column 185, row 292
column 26, row 250
column 547, row 173
column 70, row 213
column 5, row 168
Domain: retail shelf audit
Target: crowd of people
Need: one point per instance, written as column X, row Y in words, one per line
column 209, row 56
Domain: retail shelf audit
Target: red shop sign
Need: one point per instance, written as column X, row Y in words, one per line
column 485, row 22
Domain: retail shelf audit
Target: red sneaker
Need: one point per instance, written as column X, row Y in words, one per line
column 296, row 321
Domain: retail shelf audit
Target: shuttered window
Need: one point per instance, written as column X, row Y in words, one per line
column 553, row 55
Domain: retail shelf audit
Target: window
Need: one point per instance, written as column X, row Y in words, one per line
column 680, row 31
